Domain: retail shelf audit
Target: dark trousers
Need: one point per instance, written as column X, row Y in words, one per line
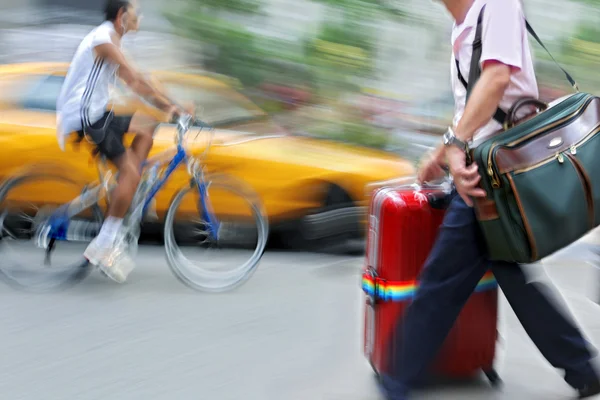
column 456, row 264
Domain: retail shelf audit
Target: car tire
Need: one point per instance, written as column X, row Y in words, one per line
column 295, row 237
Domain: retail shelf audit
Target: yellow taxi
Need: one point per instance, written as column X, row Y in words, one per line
column 311, row 188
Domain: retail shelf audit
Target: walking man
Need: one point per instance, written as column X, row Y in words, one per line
column 458, row 259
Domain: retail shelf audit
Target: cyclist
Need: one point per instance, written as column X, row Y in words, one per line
column 81, row 109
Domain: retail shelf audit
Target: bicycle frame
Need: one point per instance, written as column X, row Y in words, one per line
column 58, row 224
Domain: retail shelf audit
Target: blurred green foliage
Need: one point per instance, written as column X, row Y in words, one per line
column 331, row 61
column 340, row 53
column 578, row 52
column 344, row 48
column 593, row 3
column 344, row 42
column 356, row 131
column 366, row 9
column 224, row 46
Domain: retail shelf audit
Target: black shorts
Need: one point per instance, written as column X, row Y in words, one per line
column 107, row 133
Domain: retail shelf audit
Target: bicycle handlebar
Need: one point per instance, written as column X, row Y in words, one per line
column 184, row 122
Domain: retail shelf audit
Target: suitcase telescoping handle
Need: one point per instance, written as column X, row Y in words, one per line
column 439, row 197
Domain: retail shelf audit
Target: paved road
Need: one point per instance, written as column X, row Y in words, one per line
column 293, row 332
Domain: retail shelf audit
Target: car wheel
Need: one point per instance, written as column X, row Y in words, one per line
column 302, row 236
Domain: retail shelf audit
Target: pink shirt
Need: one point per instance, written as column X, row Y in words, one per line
column 504, row 39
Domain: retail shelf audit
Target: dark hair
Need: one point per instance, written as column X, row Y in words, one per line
column 112, row 8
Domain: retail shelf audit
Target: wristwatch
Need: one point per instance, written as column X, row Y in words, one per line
column 450, row 139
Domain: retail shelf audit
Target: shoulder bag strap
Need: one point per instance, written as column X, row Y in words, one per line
column 537, row 38
column 475, row 71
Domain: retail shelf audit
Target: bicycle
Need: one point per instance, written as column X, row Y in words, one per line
column 59, row 223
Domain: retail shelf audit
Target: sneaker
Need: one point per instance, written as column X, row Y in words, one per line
column 112, row 261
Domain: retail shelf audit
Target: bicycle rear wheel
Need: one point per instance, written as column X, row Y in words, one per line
column 229, row 256
column 27, row 203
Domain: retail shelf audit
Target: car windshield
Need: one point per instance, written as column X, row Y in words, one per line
column 215, row 107
column 44, row 94
column 41, row 92
column 29, row 91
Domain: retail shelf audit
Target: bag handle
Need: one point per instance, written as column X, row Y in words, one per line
column 525, row 101
column 441, row 198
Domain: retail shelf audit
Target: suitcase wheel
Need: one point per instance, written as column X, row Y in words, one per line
column 493, row 377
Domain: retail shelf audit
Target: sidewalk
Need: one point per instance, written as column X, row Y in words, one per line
column 526, row 374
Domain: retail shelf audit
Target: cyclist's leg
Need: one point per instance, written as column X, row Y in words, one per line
column 144, row 127
column 108, row 136
column 127, row 182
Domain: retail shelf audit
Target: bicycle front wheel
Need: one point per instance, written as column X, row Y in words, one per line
column 214, row 242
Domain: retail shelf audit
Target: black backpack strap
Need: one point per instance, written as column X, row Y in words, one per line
column 475, row 71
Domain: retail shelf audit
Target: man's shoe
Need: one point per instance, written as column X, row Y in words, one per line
column 391, row 389
column 112, row 261
column 589, row 390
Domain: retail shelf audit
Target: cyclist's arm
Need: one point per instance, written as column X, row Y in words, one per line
column 158, row 88
column 133, row 78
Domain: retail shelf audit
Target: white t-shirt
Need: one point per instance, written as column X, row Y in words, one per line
column 86, row 91
column 504, row 39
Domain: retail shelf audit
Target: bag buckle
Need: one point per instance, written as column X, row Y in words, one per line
column 373, row 286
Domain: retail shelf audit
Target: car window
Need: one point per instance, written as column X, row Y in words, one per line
column 216, row 107
column 43, row 93
column 13, row 88
column 43, row 96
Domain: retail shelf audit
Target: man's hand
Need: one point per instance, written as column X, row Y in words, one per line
column 176, row 111
column 466, row 179
column 189, row 109
column 172, row 113
column 430, row 167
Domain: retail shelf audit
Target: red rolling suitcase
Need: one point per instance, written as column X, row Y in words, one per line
column 403, row 225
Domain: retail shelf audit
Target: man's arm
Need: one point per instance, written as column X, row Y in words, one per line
column 481, row 107
column 484, row 99
column 482, row 104
column 502, row 55
column 133, row 78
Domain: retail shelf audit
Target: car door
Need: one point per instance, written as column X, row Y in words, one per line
column 28, row 123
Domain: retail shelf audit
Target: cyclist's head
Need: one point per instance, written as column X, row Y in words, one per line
column 123, row 14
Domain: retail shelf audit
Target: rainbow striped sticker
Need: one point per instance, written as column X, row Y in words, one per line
column 404, row 290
